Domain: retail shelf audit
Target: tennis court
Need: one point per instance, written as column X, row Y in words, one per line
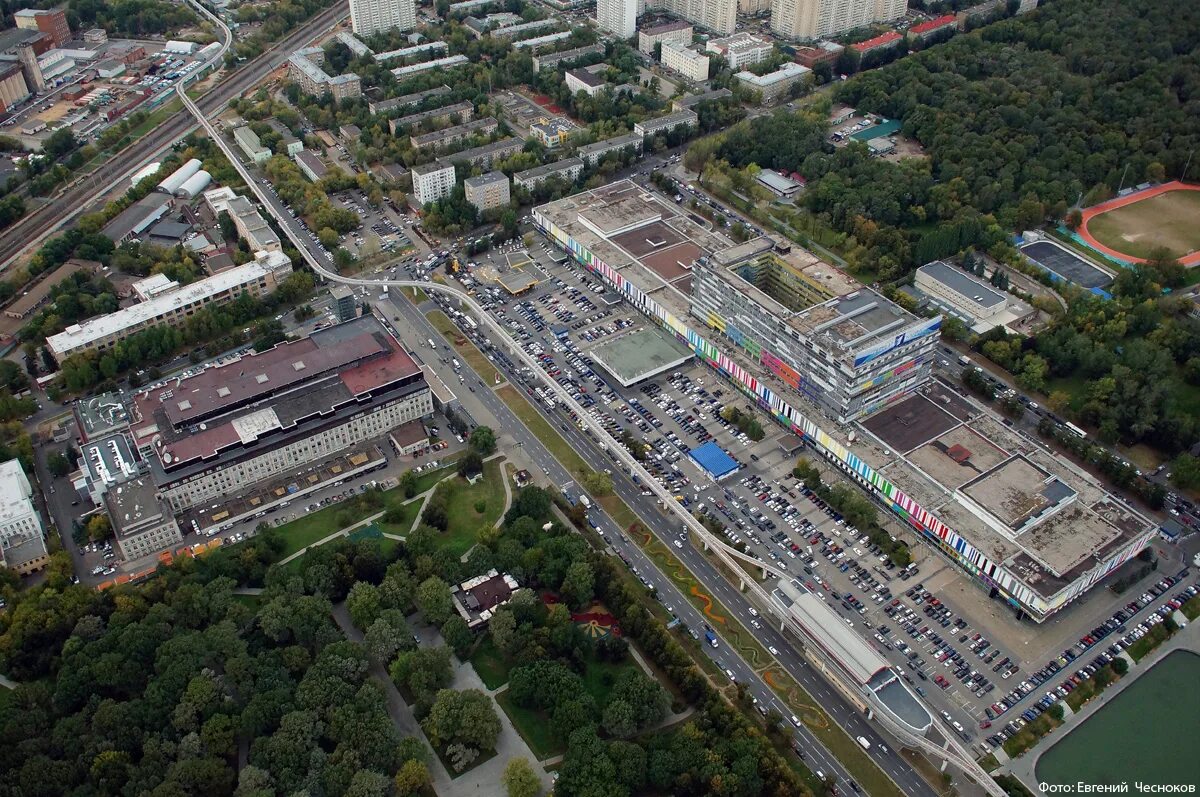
column 1065, row 264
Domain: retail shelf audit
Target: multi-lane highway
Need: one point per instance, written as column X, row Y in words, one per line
column 81, row 195
column 409, row 318
column 302, row 239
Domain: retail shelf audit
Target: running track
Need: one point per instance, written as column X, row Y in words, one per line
column 1095, row 210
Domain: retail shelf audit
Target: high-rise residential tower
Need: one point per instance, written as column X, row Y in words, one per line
column 618, row 17
column 376, row 16
column 812, row 19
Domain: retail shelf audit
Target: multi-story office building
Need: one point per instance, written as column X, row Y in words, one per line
column 432, row 181
column 379, row 16
column 813, row 19
column 251, row 226
column 663, row 124
column 304, row 67
column 487, row 191
column 618, row 17
column 250, row 144
column 567, row 170
column 741, row 49
column 277, row 412
column 344, row 303
column 171, row 307
column 22, row 538
column 774, row 85
column 676, row 32
column 848, row 353
column 686, row 61
column 1029, row 529
column 142, row 521
column 52, row 22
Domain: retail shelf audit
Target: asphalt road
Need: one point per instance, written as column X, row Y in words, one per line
column 80, row 196
column 817, row 757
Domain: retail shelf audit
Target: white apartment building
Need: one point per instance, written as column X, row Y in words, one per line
column 590, row 80
column 102, row 332
column 568, row 169
column 774, row 85
column 22, row 540
column 687, row 62
column 618, row 17
column 432, row 181
column 814, row 19
column 679, row 32
column 377, row 16
column 664, row 124
column 741, row 49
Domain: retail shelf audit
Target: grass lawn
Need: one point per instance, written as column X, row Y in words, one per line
column 489, row 664
column 307, row 529
column 463, row 521
column 1164, row 221
column 249, row 601
column 534, row 727
column 405, row 523
column 464, row 348
column 1153, row 638
column 543, row 430
column 600, row 676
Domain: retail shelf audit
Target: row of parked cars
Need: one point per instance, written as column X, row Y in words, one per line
column 1114, row 625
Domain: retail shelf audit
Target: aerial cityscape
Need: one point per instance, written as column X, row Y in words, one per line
column 599, row 398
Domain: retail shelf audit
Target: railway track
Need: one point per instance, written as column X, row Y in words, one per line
column 33, row 228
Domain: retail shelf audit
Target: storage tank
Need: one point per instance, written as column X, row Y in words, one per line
column 194, row 185
column 180, row 176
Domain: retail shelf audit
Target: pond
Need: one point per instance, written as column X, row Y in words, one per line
column 1143, row 734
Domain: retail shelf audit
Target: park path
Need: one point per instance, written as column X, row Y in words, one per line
column 369, row 519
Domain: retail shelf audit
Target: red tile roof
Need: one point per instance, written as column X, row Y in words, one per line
column 933, row 24
column 879, row 41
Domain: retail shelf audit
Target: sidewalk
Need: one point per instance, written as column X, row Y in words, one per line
column 1024, row 768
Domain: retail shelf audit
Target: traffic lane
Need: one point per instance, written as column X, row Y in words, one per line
column 733, row 600
column 724, row 591
column 845, row 716
column 725, row 658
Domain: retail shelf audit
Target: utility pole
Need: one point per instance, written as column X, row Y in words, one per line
column 1122, row 185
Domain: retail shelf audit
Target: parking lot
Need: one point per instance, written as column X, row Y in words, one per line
column 964, row 652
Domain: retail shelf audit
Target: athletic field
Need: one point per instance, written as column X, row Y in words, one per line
column 1133, row 227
